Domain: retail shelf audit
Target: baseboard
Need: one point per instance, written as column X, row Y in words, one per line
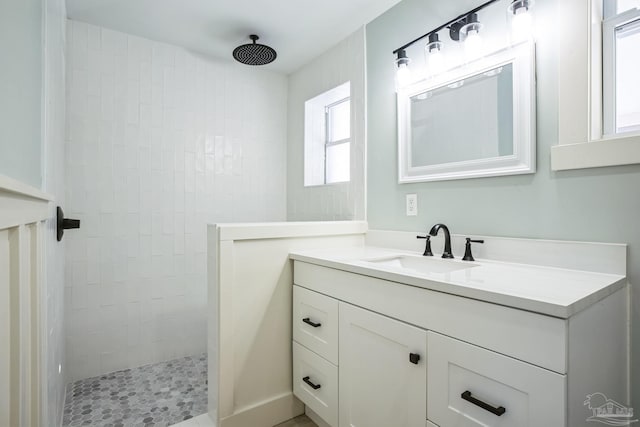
column 266, row 414
column 316, row 418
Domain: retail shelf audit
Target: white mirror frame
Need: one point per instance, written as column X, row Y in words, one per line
column 523, row 159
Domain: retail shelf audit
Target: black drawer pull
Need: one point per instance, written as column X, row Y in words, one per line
column 414, row 358
column 310, row 384
column 496, row 411
column 309, row 322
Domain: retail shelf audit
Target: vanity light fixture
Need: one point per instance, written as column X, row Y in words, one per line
column 464, row 28
column 521, row 20
column 403, row 74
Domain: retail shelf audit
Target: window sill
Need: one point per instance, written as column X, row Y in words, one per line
column 599, row 153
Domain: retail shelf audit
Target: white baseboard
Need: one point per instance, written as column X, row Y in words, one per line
column 315, row 418
column 266, row 414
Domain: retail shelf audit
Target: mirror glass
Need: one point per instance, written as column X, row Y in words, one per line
column 484, row 102
column 472, row 121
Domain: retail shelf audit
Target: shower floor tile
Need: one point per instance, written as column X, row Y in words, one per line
column 158, row 395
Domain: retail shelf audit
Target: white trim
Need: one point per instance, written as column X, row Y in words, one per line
column 14, row 186
column 581, row 144
column 609, row 28
column 281, row 230
column 266, row 414
column 523, row 159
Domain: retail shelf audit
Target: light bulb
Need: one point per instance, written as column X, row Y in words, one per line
column 436, row 62
column 434, row 56
column 521, row 20
column 521, row 25
column 403, row 75
column 473, row 45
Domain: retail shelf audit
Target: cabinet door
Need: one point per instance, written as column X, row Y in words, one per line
column 383, row 371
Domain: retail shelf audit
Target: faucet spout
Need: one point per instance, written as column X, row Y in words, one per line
column 447, row 239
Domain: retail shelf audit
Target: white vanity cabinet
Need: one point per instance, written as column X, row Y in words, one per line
column 396, row 355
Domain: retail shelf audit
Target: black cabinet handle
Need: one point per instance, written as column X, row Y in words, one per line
column 414, row 358
column 496, row 411
column 309, row 322
column 310, row 384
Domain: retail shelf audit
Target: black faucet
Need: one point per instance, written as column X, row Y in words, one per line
column 447, row 239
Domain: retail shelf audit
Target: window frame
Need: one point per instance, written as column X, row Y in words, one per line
column 582, row 142
column 609, row 29
column 332, row 143
column 316, row 134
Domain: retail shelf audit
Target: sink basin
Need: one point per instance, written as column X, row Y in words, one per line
column 421, row 264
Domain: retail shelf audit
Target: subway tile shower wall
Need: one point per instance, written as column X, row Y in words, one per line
column 160, row 142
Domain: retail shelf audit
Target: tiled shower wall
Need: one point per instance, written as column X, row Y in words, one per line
column 160, row 142
column 342, row 201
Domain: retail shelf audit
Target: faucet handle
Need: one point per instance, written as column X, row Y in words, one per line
column 427, row 249
column 467, row 249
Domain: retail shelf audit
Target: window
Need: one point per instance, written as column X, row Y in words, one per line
column 328, row 137
column 621, row 62
column 598, row 87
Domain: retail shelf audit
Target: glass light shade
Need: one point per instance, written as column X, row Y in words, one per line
column 435, row 58
column 403, row 75
column 473, row 45
column 436, row 62
column 521, row 20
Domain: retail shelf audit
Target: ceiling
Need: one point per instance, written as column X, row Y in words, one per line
column 299, row 30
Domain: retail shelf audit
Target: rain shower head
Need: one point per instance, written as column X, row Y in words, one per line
column 254, row 53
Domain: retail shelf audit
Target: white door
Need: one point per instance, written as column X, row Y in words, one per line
column 383, row 371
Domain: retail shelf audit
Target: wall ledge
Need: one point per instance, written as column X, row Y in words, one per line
column 10, row 185
column 594, row 154
column 275, row 230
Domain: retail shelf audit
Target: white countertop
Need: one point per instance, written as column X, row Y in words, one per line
column 551, row 291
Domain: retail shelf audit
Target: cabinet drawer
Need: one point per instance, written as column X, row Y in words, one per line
column 467, row 384
column 315, row 382
column 315, row 322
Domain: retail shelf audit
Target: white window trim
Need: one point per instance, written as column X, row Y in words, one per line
column 328, row 142
column 581, row 141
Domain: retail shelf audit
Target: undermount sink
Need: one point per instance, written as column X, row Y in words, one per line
column 422, row 264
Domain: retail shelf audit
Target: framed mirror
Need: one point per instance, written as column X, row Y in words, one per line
column 473, row 121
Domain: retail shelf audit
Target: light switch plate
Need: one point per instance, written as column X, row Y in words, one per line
column 412, row 204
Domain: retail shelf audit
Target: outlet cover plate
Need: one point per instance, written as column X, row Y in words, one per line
column 412, row 204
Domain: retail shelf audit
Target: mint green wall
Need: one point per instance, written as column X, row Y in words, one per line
column 20, row 90
column 590, row 205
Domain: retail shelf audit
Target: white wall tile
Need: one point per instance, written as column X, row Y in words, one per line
column 159, row 142
column 342, row 201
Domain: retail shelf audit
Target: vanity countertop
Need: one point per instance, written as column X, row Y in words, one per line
column 551, row 291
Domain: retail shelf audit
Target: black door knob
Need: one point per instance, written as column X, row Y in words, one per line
column 64, row 223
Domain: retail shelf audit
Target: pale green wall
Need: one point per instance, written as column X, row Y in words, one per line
column 20, row 90
column 590, row 205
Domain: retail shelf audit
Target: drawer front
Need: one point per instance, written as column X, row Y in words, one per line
column 470, row 386
column 315, row 382
column 315, row 322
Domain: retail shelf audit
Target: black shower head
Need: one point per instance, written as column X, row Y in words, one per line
column 254, row 53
